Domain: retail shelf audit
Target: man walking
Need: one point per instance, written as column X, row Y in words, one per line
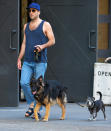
column 37, row 34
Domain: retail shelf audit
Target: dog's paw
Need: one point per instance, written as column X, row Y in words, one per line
column 90, row 119
column 37, row 120
column 62, row 118
column 105, row 119
column 94, row 119
column 44, row 120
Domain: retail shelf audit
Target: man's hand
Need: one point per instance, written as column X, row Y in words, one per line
column 19, row 65
column 39, row 47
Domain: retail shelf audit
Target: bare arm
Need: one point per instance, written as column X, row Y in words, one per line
column 22, row 51
column 47, row 29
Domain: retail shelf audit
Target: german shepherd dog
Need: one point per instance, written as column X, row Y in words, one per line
column 47, row 94
column 95, row 106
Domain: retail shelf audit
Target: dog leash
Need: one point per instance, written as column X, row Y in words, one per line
column 80, row 104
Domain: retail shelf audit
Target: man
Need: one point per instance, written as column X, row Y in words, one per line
column 37, row 34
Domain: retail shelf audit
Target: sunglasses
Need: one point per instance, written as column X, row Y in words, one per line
column 32, row 10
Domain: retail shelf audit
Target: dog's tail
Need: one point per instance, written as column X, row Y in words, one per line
column 100, row 94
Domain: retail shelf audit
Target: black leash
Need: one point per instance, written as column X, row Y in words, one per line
column 80, row 104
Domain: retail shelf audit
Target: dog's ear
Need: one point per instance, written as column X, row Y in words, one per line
column 40, row 78
column 93, row 98
column 32, row 80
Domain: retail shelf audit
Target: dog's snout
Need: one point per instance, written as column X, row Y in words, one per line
column 33, row 88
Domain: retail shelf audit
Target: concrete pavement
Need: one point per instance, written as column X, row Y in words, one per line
column 12, row 119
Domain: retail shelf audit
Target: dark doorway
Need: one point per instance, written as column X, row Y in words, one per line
column 9, row 41
column 71, row 60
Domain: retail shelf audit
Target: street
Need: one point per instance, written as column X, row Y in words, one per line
column 12, row 119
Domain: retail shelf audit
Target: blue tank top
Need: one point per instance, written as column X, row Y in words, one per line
column 33, row 38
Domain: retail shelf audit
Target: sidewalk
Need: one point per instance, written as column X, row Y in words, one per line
column 12, row 119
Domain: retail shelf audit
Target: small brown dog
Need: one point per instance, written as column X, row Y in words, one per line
column 48, row 94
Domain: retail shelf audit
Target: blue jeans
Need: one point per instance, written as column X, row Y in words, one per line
column 28, row 69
